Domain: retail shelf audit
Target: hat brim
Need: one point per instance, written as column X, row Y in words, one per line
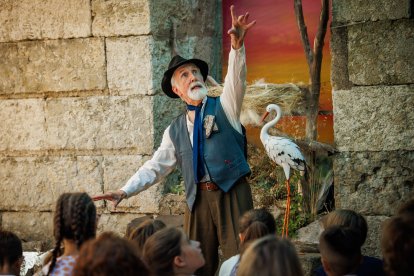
column 166, row 80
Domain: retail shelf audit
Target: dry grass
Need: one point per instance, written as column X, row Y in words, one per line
column 290, row 97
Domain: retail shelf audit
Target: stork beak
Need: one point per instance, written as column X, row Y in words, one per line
column 264, row 116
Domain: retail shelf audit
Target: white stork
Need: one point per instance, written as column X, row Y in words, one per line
column 284, row 152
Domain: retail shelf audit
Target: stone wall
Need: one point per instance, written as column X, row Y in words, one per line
column 81, row 103
column 372, row 73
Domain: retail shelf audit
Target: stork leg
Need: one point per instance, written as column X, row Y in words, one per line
column 285, row 230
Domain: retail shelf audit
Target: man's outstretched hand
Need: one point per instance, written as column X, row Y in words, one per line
column 239, row 28
column 114, row 196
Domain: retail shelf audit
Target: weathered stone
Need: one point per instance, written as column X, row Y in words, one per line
column 339, row 59
column 310, row 233
column 373, row 183
column 38, row 246
column 52, row 19
column 30, row 226
column 173, row 204
column 372, row 245
column 52, row 65
column 112, row 18
column 377, row 118
column 35, row 183
column 381, row 52
column 190, row 19
column 129, row 65
column 369, row 10
column 117, row 171
column 22, row 125
column 115, row 222
column 100, row 123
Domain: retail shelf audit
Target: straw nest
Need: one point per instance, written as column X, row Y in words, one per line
column 290, row 97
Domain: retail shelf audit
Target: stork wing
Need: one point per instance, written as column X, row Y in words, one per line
column 284, row 151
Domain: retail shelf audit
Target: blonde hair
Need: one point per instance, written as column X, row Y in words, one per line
column 270, row 256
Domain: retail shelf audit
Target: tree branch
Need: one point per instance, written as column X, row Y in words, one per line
column 300, row 20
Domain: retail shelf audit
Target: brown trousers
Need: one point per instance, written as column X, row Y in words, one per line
column 214, row 222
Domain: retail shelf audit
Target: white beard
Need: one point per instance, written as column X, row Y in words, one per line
column 197, row 94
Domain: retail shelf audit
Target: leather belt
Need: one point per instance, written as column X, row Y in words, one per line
column 208, row 186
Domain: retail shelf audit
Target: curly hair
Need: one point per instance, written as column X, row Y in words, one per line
column 109, row 255
column 74, row 219
column 144, row 230
column 160, row 250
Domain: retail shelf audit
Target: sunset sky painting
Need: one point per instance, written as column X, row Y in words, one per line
column 275, row 53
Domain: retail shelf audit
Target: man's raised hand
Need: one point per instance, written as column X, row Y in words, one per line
column 239, row 28
column 114, row 196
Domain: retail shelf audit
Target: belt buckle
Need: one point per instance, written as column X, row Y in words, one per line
column 209, row 187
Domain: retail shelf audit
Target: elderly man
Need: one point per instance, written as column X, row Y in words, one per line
column 208, row 144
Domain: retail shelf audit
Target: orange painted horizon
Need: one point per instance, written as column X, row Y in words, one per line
column 275, row 53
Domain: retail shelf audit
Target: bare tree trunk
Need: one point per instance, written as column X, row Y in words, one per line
column 314, row 60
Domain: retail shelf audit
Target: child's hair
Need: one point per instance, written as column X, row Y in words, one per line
column 160, row 250
column 397, row 245
column 348, row 218
column 340, row 247
column 144, row 230
column 255, row 224
column 74, row 219
column 270, row 255
column 407, row 207
column 10, row 248
column 109, row 255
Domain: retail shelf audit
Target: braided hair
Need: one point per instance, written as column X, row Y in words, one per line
column 75, row 219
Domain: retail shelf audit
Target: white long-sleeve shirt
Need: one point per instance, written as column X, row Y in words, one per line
column 163, row 162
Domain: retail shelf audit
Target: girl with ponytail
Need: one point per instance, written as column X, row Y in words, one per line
column 74, row 223
column 254, row 224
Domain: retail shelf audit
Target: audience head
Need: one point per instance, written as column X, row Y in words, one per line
column 340, row 249
column 255, row 224
column 75, row 220
column 270, row 256
column 11, row 253
column 397, row 244
column 144, row 230
column 170, row 252
column 348, row 218
column 109, row 255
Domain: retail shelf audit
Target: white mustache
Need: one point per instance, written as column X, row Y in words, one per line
column 194, row 84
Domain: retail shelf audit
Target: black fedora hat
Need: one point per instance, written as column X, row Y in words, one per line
column 176, row 62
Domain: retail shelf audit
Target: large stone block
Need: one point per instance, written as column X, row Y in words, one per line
column 129, row 62
column 377, row 118
column 52, row 65
column 339, row 61
column 381, row 52
column 197, row 17
column 35, row 183
column 52, row 19
column 100, row 123
column 22, row 125
column 113, row 18
column 30, row 226
column 374, row 183
column 117, row 171
column 369, row 10
column 115, row 222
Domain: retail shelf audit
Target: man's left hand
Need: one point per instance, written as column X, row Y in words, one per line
column 240, row 26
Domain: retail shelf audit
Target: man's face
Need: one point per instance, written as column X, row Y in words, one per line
column 188, row 84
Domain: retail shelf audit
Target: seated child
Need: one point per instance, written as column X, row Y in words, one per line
column 11, row 253
column 169, row 252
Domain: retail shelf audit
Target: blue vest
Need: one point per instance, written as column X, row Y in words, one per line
column 224, row 151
